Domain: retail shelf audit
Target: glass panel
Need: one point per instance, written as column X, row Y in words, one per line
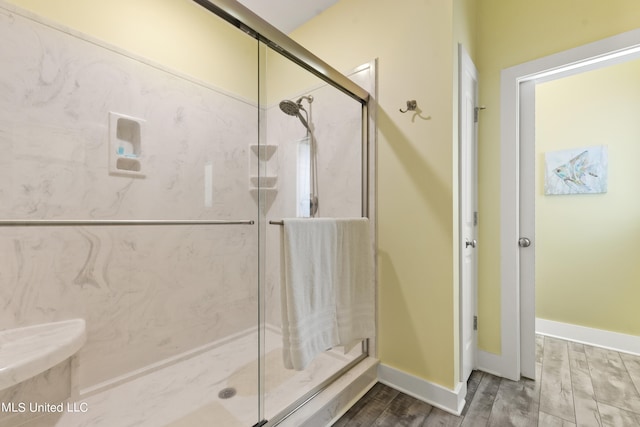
column 159, row 123
column 317, row 132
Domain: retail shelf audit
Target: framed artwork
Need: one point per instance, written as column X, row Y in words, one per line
column 576, row 171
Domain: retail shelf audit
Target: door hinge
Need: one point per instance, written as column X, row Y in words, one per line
column 475, row 218
column 475, row 323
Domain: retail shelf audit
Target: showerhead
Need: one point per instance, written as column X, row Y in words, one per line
column 290, row 107
column 293, row 109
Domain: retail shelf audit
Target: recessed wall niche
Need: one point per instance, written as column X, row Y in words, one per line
column 125, row 145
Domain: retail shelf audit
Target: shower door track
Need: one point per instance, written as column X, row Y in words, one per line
column 124, row 222
column 310, row 395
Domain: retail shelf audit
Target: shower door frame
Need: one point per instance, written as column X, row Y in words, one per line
column 244, row 19
column 241, row 17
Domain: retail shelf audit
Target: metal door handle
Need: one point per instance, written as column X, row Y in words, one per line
column 524, row 242
column 472, row 243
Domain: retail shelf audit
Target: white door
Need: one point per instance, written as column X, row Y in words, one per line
column 468, row 93
column 526, row 241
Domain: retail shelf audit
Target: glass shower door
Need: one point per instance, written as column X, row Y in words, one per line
column 314, row 132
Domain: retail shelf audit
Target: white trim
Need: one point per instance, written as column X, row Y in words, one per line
column 451, row 401
column 509, row 267
column 591, row 336
column 557, row 65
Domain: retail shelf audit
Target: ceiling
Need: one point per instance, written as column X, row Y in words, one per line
column 287, row 15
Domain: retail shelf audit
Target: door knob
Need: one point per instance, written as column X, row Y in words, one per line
column 472, row 243
column 523, row 242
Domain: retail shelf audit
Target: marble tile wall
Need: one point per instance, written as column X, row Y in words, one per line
column 147, row 293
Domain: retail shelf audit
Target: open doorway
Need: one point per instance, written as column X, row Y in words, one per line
column 518, row 175
column 587, row 135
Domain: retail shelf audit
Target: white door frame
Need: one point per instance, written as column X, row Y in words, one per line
column 468, row 190
column 511, row 363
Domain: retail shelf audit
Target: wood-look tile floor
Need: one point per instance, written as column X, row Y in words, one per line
column 576, row 385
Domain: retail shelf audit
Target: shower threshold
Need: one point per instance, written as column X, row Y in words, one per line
column 187, row 393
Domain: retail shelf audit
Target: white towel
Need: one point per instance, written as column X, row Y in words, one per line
column 355, row 295
column 327, row 286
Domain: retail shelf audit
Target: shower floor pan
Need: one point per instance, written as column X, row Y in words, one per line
column 194, row 391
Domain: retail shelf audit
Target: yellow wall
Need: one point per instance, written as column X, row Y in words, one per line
column 178, row 34
column 417, row 166
column 510, row 33
column 587, row 254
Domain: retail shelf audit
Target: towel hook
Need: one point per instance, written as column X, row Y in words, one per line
column 412, row 105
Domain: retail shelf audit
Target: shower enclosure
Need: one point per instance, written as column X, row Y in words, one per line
column 146, row 199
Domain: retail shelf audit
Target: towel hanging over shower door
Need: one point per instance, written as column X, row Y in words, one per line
column 327, row 286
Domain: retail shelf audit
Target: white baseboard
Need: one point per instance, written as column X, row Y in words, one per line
column 451, row 401
column 591, row 336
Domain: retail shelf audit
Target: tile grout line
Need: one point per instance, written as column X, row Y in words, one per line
column 544, row 347
column 493, row 405
column 475, row 393
column 614, row 405
column 540, row 385
column 494, row 400
column 544, row 338
column 386, row 407
column 573, row 392
column 595, row 397
column 629, row 373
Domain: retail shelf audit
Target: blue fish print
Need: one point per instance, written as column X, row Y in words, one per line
column 573, row 172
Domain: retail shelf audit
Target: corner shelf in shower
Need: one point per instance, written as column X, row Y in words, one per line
column 263, row 160
column 264, row 151
column 268, row 194
column 29, row 351
column 263, row 182
column 267, row 191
